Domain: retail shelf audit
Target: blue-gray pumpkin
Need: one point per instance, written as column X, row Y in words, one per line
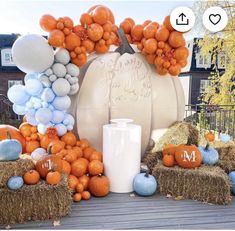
column 209, row 155
column 10, row 149
column 224, row 137
column 15, row 182
column 231, row 176
column 144, row 184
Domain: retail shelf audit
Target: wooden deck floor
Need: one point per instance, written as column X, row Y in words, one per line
column 120, row 211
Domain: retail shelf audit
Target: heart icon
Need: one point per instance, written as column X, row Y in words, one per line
column 215, row 18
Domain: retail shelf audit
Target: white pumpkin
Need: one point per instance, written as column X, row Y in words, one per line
column 125, row 86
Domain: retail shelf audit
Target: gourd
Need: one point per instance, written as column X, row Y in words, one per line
column 144, row 184
column 231, row 176
column 10, row 149
column 209, row 155
column 15, row 182
column 188, row 155
column 122, row 84
column 210, row 136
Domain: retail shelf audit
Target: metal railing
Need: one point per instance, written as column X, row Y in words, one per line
column 7, row 115
column 220, row 118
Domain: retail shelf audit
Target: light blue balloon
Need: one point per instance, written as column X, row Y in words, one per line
column 19, row 109
column 31, row 120
column 30, row 76
column 33, row 87
column 62, row 103
column 58, row 117
column 17, row 94
column 51, row 107
column 42, row 128
column 31, row 112
column 68, row 120
column 48, row 95
column 70, row 127
column 37, row 106
column 45, row 104
column 29, row 105
column 61, row 129
column 43, row 115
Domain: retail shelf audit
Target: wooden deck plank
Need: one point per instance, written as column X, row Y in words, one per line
column 120, row 211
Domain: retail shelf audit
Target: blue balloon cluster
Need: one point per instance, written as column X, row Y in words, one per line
column 42, row 107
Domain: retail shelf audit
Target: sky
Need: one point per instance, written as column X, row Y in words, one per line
column 23, row 16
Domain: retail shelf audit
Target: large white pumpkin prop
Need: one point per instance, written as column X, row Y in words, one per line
column 122, row 84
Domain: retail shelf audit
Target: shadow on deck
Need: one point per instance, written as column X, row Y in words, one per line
column 120, row 211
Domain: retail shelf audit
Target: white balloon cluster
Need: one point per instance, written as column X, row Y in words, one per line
column 44, row 98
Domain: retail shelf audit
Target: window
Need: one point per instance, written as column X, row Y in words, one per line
column 6, row 57
column 204, row 83
column 14, row 82
column 203, row 61
column 222, row 61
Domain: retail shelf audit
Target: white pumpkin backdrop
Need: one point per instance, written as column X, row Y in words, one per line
column 125, row 86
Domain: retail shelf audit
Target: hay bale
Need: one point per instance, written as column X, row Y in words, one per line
column 180, row 133
column 151, row 159
column 35, row 202
column 208, row 184
column 14, row 168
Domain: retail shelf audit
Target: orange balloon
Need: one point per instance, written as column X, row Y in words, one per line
column 174, row 69
column 162, row 34
column 176, row 39
column 72, row 41
column 56, row 38
column 48, row 22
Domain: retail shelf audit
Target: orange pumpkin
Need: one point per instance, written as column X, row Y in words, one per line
column 95, row 167
column 188, row 156
column 49, row 163
column 77, row 197
column 66, row 168
column 79, row 188
column 56, row 146
column 87, row 152
column 84, row 180
column 78, row 151
column 168, row 160
column 96, row 156
column 53, row 178
column 32, row 145
column 210, row 136
column 72, row 182
column 25, row 129
column 31, row 177
column 69, row 139
column 15, row 134
column 78, row 168
column 169, row 149
column 51, row 135
column 86, row 195
column 99, row 186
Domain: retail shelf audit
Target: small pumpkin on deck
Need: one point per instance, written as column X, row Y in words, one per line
column 99, row 185
column 210, row 136
column 188, row 155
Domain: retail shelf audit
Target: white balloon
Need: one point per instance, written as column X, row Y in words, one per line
column 42, row 128
column 58, row 117
column 53, row 78
column 67, row 76
column 61, row 129
column 33, row 87
column 72, row 69
column 70, row 127
column 68, row 119
column 19, row 109
column 30, row 76
column 31, row 112
column 43, row 115
column 74, row 89
column 62, row 56
column 32, row 53
column 48, row 95
column 31, row 120
column 59, row 70
column 61, row 87
column 45, row 81
column 44, row 104
column 17, row 94
column 48, row 72
column 62, row 103
column 29, row 105
column 51, row 107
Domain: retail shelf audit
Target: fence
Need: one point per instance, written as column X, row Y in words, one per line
column 220, row 118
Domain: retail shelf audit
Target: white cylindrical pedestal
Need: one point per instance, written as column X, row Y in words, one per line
column 121, row 154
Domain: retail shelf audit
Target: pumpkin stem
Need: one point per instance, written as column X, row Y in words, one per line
column 147, row 173
column 8, row 135
column 125, row 46
column 49, row 149
column 207, row 146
